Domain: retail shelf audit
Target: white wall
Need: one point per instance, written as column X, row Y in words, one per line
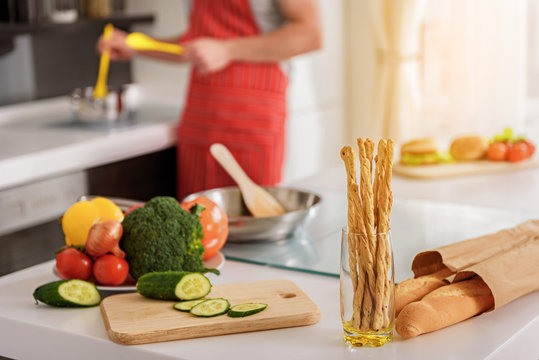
column 316, row 123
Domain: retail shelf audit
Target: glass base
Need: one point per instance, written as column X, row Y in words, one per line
column 366, row 338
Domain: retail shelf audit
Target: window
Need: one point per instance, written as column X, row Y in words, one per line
column 480, row 67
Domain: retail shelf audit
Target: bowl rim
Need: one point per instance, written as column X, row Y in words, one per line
column 313, row 206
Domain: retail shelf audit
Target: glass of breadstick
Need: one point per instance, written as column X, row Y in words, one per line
column 367, row 290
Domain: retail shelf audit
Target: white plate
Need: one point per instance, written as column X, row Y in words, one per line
column 216, row 262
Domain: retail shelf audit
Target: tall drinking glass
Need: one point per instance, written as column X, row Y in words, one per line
column 367, row 289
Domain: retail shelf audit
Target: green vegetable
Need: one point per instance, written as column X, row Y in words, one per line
column 68, row 293
column 246, row 309
column 173, row 285
column 211, row 307
column 162, row 236
column 430, row 158
column 187, row 305
column 508, row 135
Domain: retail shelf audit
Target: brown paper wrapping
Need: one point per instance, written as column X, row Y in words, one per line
column 507, row 261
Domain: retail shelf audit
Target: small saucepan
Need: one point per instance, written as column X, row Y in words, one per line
column 115, row 106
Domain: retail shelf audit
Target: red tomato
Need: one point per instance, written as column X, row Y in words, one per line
column 73, row 264
column 111, row 270
column 497, row 151
column 214, row 224
column 517, row 152
column 531, row 147
column 133, row 208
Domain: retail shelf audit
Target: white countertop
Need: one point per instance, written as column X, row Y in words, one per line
column 36, row 148
column 508, row 332
column 39, row 140
column 28, row 331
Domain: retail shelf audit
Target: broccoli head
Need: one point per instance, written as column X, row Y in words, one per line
column 162, row 236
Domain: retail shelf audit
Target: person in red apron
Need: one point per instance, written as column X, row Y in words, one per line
column 237, row 91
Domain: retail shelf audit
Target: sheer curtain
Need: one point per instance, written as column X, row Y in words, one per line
column 473, row 76
column 437, row 68
column 396, row 28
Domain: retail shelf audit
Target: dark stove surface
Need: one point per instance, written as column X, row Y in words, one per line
column 30, row 246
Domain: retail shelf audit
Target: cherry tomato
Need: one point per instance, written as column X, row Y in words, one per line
column 111, row 270
column 214, row 224
column 517, row 152
column 73, row 264
column 497, row 151
column 133, row 208
column 531, row 147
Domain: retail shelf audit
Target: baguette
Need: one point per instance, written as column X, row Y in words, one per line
column 445, row 306
column 414, row 289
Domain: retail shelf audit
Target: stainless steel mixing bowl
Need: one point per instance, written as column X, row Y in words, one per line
column 300, row 207
column 112, row 108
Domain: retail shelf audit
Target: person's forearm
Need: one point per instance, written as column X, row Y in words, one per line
column 288, row 41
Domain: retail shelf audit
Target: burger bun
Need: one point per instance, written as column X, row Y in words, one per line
column 468, row 148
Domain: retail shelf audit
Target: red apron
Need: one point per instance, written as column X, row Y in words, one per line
column 242, row 106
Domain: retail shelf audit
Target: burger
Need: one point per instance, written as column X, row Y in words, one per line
column 420, row 152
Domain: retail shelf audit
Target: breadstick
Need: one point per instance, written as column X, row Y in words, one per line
column 388, row 167
column 359, row 243
column 414, row 289
column 375, row 191
column 369, row 151
column 354, row 224
column 381, row 263
column 445, row 306
column 389, row 171
column 368, row 255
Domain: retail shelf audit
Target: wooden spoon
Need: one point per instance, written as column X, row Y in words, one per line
column 259, row 202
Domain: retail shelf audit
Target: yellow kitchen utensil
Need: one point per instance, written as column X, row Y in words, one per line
column 100, row 89
column 259, row 202
column 140, row 41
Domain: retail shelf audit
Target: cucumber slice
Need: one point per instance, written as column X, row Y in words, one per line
column 211, row 307
column 246, row 309
column 68, row 293
column 173, row 285
column 187, row 305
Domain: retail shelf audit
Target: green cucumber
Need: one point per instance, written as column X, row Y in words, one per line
column 211, row 307
column 173, row 285
column 187, row 305
column 246, row 309
column 68, row 293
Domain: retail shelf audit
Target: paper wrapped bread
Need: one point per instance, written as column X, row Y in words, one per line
column 501, row 267
column 445, row 306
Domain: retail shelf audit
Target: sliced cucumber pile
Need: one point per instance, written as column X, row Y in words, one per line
column 68, row 293
column 211, row 307
column 187, row 305
column 246, row 309
column 173, row 285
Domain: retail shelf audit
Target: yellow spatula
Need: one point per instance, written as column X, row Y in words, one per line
column 140, row 41
column 100, row 89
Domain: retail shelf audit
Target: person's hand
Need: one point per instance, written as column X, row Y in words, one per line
column 116, row 45
column 208, row 55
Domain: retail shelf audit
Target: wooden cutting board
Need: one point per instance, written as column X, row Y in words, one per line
column 462, row 168
column 134, row 319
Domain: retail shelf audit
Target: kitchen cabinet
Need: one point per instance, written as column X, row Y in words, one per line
column 43, row 60
column 18, row 28
column 47, row 161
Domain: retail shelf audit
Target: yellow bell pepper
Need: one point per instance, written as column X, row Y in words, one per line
column 80, row 217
